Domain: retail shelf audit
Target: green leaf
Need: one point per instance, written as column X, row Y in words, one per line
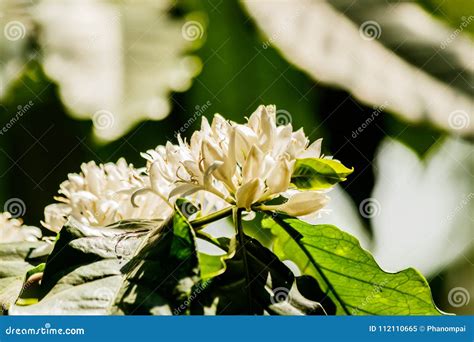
column 271, row 287
column 84, row 271
column 161, row 277
column 348, row 273
column 211, row 265
column 131, row 267
column 15, row 260
column 318, row 173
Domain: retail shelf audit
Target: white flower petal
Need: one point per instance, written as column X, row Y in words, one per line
column 279, row 177
column 313, row 151
column 248, row 193
column 253, row 164
column 301, row 204
column 245, row 138
column 267, row 131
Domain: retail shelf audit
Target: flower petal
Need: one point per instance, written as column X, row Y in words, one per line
column 301, row 204
column 313, row 151
column 245, row 138
column 279, row 178
column 253, row 164
column 184, row 190
column 211, row 153
column 248, row 193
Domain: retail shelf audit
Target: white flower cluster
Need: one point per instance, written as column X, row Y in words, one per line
column 13, row 230
column 241, row 164
column 101, row 195
column 223, row 164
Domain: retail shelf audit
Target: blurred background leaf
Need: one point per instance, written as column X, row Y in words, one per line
column 391, row 54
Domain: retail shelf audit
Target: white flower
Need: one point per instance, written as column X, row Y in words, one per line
column 101, row 195
column 13, row 230
column 176, row 170
column 242, row 164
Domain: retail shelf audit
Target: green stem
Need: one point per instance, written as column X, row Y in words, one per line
column 237, row 216
column 202, row 221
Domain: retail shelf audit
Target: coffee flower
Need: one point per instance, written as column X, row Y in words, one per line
column 101, row 195
column 13, row 230
column 242, row 164
column 175, row 171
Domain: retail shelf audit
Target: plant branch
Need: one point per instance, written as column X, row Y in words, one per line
column 237, row 216
column 202, row 221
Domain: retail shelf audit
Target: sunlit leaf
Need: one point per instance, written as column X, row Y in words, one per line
column 211, row 265
column 348, row 273
column 317, row 173
column 83, row 272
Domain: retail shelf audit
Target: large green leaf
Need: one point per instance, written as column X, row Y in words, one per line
column 262, row 284
column 84, row 271
column 160, row 278
column 131, row 267
column 348, row 273
column 16, row 259
column 318, row 173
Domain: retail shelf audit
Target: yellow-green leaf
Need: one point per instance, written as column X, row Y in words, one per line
column 347, row 273
column 318, row 173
